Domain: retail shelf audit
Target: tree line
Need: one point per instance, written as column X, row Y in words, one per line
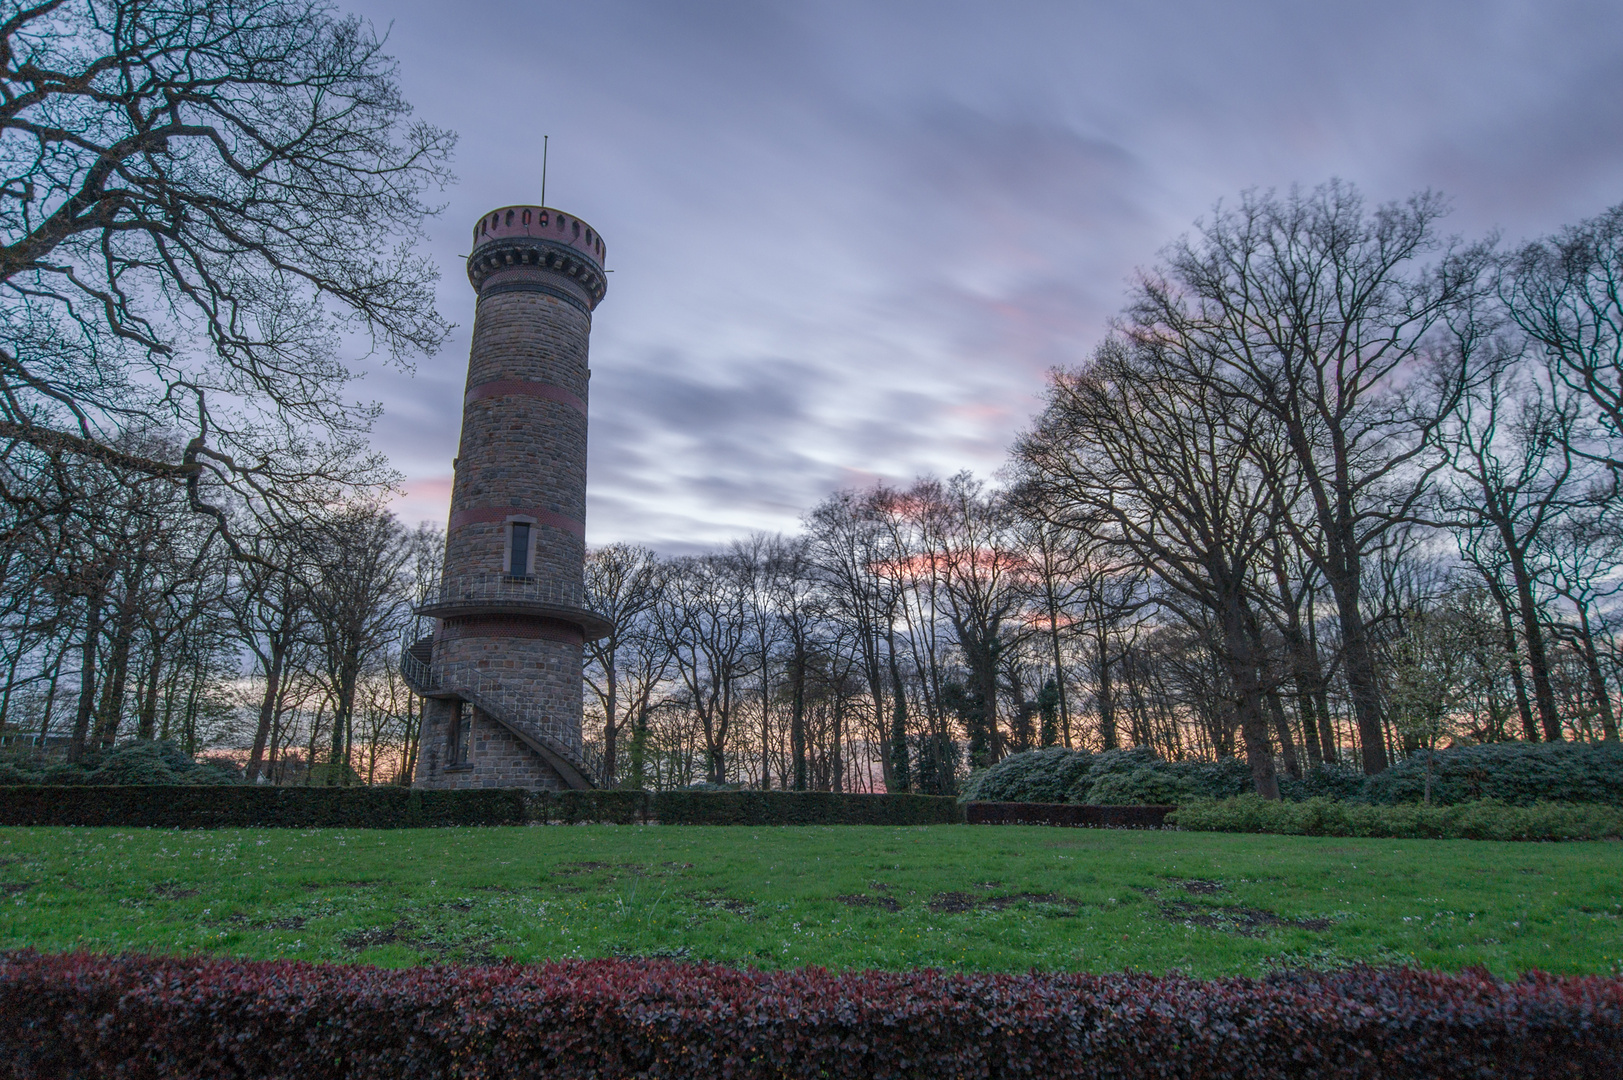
column 124, row 615
column 1336, row 487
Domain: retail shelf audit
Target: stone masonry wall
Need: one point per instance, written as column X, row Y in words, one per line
column 496, row 757
column 520, row 453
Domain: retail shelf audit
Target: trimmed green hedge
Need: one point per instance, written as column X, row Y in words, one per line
column 1485, row 819
column 221, row 806
column 802, row 808
column 613, row 807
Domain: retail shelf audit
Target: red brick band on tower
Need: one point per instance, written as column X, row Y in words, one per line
column 503, row 670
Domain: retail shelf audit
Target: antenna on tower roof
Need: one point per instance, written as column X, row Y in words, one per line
column 544, row 139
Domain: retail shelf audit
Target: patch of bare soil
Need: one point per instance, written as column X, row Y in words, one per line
column 434, row 945
column 958, row 903
column 576, row 869
column 731, row 905
column 286, row 922
column 15, row 888
column 1228, row 918
column 403, row 932
column 886, row 903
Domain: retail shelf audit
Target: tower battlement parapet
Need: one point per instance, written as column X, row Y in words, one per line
column 540, row 223
column 538, row 238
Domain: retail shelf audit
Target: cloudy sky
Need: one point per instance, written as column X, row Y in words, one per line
column 848, row 240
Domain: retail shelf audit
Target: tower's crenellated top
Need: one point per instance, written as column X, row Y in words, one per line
column 539, row 237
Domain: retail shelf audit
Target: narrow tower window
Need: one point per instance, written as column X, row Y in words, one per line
column 456, row 747
column 518, row 561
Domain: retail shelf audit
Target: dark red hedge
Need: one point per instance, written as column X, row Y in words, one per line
column 1093, row 817
column 80, row 1015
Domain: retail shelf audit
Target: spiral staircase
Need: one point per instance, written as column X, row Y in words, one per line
column 558, row 745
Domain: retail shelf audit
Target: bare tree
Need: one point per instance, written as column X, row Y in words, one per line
column 358, row 600
column 1566, row 292
column 622, row 585
column 1509, row 450
column 1324, row 315
column 198, row 202
column 1140, row 449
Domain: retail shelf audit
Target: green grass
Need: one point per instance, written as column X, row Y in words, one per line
column 975, row 898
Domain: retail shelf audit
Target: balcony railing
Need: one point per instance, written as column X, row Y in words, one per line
column 473, row 590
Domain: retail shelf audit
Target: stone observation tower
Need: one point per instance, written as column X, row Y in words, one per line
column 502, row 670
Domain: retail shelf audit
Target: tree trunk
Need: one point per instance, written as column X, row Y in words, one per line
column 148, row 721
column 267, row 704
column 343, row 708
column 1537, row 655
column 611, row 725
column 1243, row 674
column 1305, row 671
column 1597, row 680
column 87, row 679
column 1107, row 706
column 899, row 770
column 112, row 701
column 639, row 744
column 1293, row 765
column 1362, row 686
column 838, row 766
column 50, row 692
column 797, row 718
column 1059, row 668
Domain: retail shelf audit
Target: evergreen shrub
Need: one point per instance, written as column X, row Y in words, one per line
column 140, row 761
column 1518, row 773
column 1141, row 787
column 1042, row 776
column 83, row 1015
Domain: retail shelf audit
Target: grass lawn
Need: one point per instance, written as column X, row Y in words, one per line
column 1006, row 898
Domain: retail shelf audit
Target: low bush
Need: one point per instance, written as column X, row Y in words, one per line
column 1141, row 787
column 187, row 807
column 80, row 1015
column 1038, row 776
column 1486, row 819
column 1518, row 773
column 801, row 808
column 136, row 762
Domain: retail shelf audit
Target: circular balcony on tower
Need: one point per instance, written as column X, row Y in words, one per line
column 503, row 594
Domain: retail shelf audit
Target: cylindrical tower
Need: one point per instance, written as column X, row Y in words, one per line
column 503, row 669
